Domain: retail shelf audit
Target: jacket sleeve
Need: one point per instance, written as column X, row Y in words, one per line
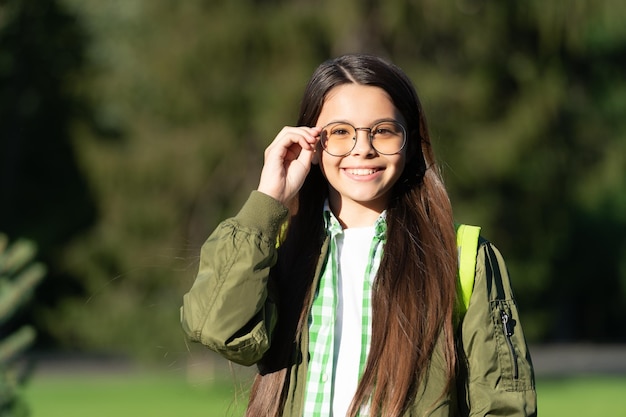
column 228, row 308
column 500, row 377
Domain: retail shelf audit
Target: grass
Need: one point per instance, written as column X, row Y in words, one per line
column 161, row 395
column 130, row 395
column 582, row 396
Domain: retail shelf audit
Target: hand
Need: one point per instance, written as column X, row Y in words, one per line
column 287, row 162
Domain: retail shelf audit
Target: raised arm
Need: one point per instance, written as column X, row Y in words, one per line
column 228, row 308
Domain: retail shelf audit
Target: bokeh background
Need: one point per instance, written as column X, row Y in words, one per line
column 130, row 128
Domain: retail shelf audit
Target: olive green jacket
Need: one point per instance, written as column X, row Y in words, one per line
column 229, row 311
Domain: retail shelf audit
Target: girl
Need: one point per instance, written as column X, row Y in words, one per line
column 338, row 277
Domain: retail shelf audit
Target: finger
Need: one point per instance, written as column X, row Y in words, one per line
column 286, row 148
column 314, row 135
column 306, row 158
column 306, row 137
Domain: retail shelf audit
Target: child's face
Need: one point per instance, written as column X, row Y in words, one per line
column 363, row 179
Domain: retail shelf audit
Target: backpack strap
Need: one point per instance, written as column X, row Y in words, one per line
column 467, row 245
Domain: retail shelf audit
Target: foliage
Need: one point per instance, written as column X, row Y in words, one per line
column 179, row 100
column 44, row 196
column 19, row 275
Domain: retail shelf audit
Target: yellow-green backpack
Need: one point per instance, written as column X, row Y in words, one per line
column 467, row 245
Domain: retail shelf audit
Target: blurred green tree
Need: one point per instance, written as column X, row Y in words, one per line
column 533, row 131
column 524, row 99
column 43, row 192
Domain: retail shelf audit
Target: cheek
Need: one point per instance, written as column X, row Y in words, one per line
column 401, row 162
column 400, row 167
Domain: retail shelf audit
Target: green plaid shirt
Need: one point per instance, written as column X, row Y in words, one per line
column 319, row 388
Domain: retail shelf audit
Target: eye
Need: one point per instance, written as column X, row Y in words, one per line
column 387, row 129
column 339, row 131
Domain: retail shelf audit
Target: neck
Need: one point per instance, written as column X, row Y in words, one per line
column 353, row 214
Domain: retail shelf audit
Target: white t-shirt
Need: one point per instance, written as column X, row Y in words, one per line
column 353, row 247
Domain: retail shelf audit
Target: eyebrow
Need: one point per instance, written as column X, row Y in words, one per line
column 375, row 122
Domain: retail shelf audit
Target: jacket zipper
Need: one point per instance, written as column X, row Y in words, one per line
column 508, row 332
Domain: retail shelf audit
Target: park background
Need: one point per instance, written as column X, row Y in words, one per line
column 130, row 128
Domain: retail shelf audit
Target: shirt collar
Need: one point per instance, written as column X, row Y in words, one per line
column 333, row 227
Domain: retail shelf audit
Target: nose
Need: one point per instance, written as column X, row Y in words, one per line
column 363, row 145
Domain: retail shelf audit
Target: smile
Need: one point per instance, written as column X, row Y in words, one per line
column 361, row 171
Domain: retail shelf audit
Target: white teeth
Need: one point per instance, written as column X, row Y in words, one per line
column 360, row 171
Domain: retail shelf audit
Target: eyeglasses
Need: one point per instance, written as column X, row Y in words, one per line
column 386, row 137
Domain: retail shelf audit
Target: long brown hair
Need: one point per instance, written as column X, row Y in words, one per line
column 414, row 290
